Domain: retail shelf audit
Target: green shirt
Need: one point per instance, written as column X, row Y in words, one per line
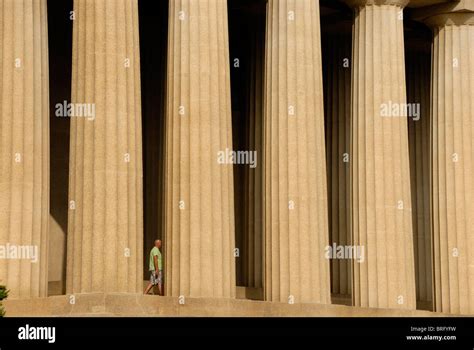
column 155, row 252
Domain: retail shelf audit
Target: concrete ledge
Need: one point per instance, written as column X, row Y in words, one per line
column 136, row 305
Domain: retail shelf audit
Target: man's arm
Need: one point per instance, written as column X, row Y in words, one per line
column 155, row 260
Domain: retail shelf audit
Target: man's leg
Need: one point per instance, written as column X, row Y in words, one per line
column 160, row 282
column 150, row 285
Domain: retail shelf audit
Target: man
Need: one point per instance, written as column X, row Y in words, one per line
column 155, row 268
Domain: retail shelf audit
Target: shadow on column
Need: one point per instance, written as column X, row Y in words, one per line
column 418, row 78
column 247, row 50
column 153, row 17
column 336, row 29
column 60, row 66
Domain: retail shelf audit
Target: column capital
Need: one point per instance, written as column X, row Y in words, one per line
column 360, row 3
column 453, row 13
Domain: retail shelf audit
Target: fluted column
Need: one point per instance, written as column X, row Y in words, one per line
column 380, row 176
column 418, row 60
column 295, row 199
column 199, row 213
column 337, row 95
column 452, row 152
column 24, row 147
column 105, row 228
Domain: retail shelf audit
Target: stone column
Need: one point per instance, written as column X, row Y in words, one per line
column 418, row 61
column 452, row 152
column 105, row 229
column 199, row 221
column 24, row 147
column 295, row 191
column 380, row 176
column 337, row 95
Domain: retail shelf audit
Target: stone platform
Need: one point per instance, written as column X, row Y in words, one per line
column 134, row 305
